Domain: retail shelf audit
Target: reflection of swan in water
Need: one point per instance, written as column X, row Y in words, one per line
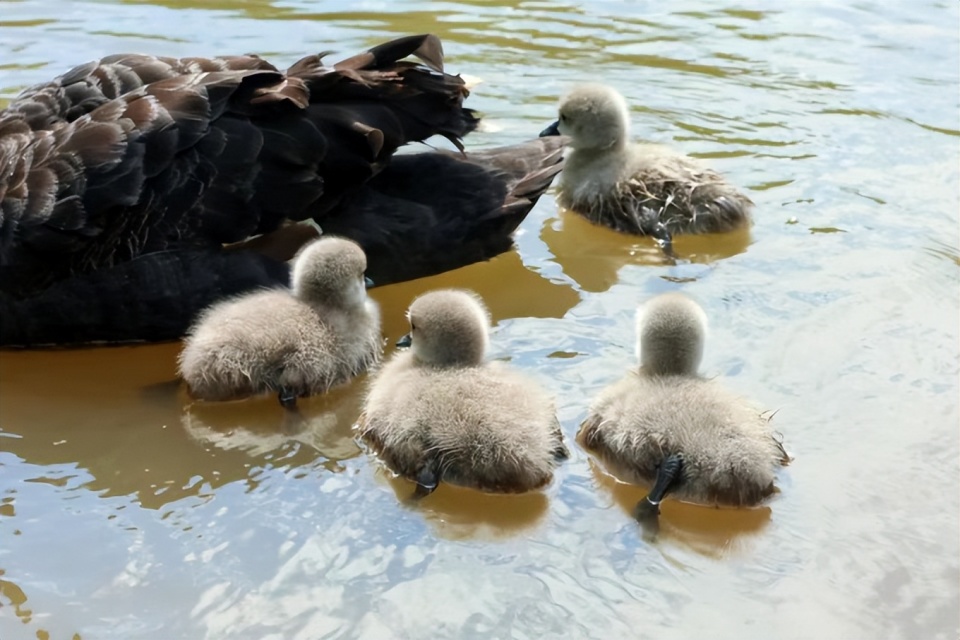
column 593, row 256
column 260, row 429
column 459, row 513
column 510, row 288
column 715, row 532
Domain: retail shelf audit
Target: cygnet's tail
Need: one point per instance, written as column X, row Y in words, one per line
column 432, row 212
column 151, row 298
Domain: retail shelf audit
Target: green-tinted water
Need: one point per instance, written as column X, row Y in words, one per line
column 126, row 512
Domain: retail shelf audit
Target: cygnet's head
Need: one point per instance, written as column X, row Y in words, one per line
column 448, row 328
column 329, row 271
column 671, row 330
column 595, row 116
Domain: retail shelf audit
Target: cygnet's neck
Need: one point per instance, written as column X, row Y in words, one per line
column 322, row 293
column 670, row 359
column 449, row 357
column 592, row 166
column 348, row 310
column 671, row 345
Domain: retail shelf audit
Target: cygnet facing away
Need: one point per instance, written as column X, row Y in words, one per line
column 637, row 187
column 293, row 343
column 665, row 424
column 440, row 412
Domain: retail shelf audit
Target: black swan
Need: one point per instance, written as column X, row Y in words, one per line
column 137, row 190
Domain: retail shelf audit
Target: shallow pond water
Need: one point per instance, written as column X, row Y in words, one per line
column 128, row 512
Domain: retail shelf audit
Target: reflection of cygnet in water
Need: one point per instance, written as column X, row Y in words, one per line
column 441, row 412
column 297, row 343
column 637, row 188
column 593, row 256
column 323, row 424
column 531, row 293
column 717, row 533
column 460, row 513
column 665, row 424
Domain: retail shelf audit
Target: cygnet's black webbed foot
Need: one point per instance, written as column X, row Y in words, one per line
column 288, row 398
column 649, row 222
column 427, row 479
column 664, row 238
column 667, row 477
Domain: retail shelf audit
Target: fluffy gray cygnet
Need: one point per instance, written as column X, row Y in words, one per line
column 664, row 424
column 440, row 412
column 632, row 187
column 293, row 343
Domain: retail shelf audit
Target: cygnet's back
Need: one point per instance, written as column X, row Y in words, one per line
column 637, row 187
column 294, row 343
column 439, row 411
column 729, row 455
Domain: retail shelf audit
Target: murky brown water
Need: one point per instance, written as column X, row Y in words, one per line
column 126, row 512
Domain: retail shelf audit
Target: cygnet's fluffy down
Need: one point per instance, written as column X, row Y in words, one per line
column 729, row 454
column 440, row 412
column 636, row 187
column 295, row 343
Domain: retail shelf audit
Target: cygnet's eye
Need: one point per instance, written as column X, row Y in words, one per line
column 563, row 117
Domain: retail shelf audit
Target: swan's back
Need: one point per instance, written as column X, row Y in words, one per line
column 137, row 154
column 426, row 213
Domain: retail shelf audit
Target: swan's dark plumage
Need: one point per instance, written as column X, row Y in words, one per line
column 410, row 218
column 132, row 301
column 134, row 154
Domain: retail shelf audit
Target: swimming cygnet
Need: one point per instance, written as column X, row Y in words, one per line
column 637, row 187
column 293, row 343
column 665, row 424
column 440, row 412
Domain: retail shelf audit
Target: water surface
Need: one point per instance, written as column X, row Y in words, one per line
column 128, row 512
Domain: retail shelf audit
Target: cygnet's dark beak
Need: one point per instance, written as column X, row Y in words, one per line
column 405, row 341
column 552, row 130
column 368, row 283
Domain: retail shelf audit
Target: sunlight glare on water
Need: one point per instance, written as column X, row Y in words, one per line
column 126, row 511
